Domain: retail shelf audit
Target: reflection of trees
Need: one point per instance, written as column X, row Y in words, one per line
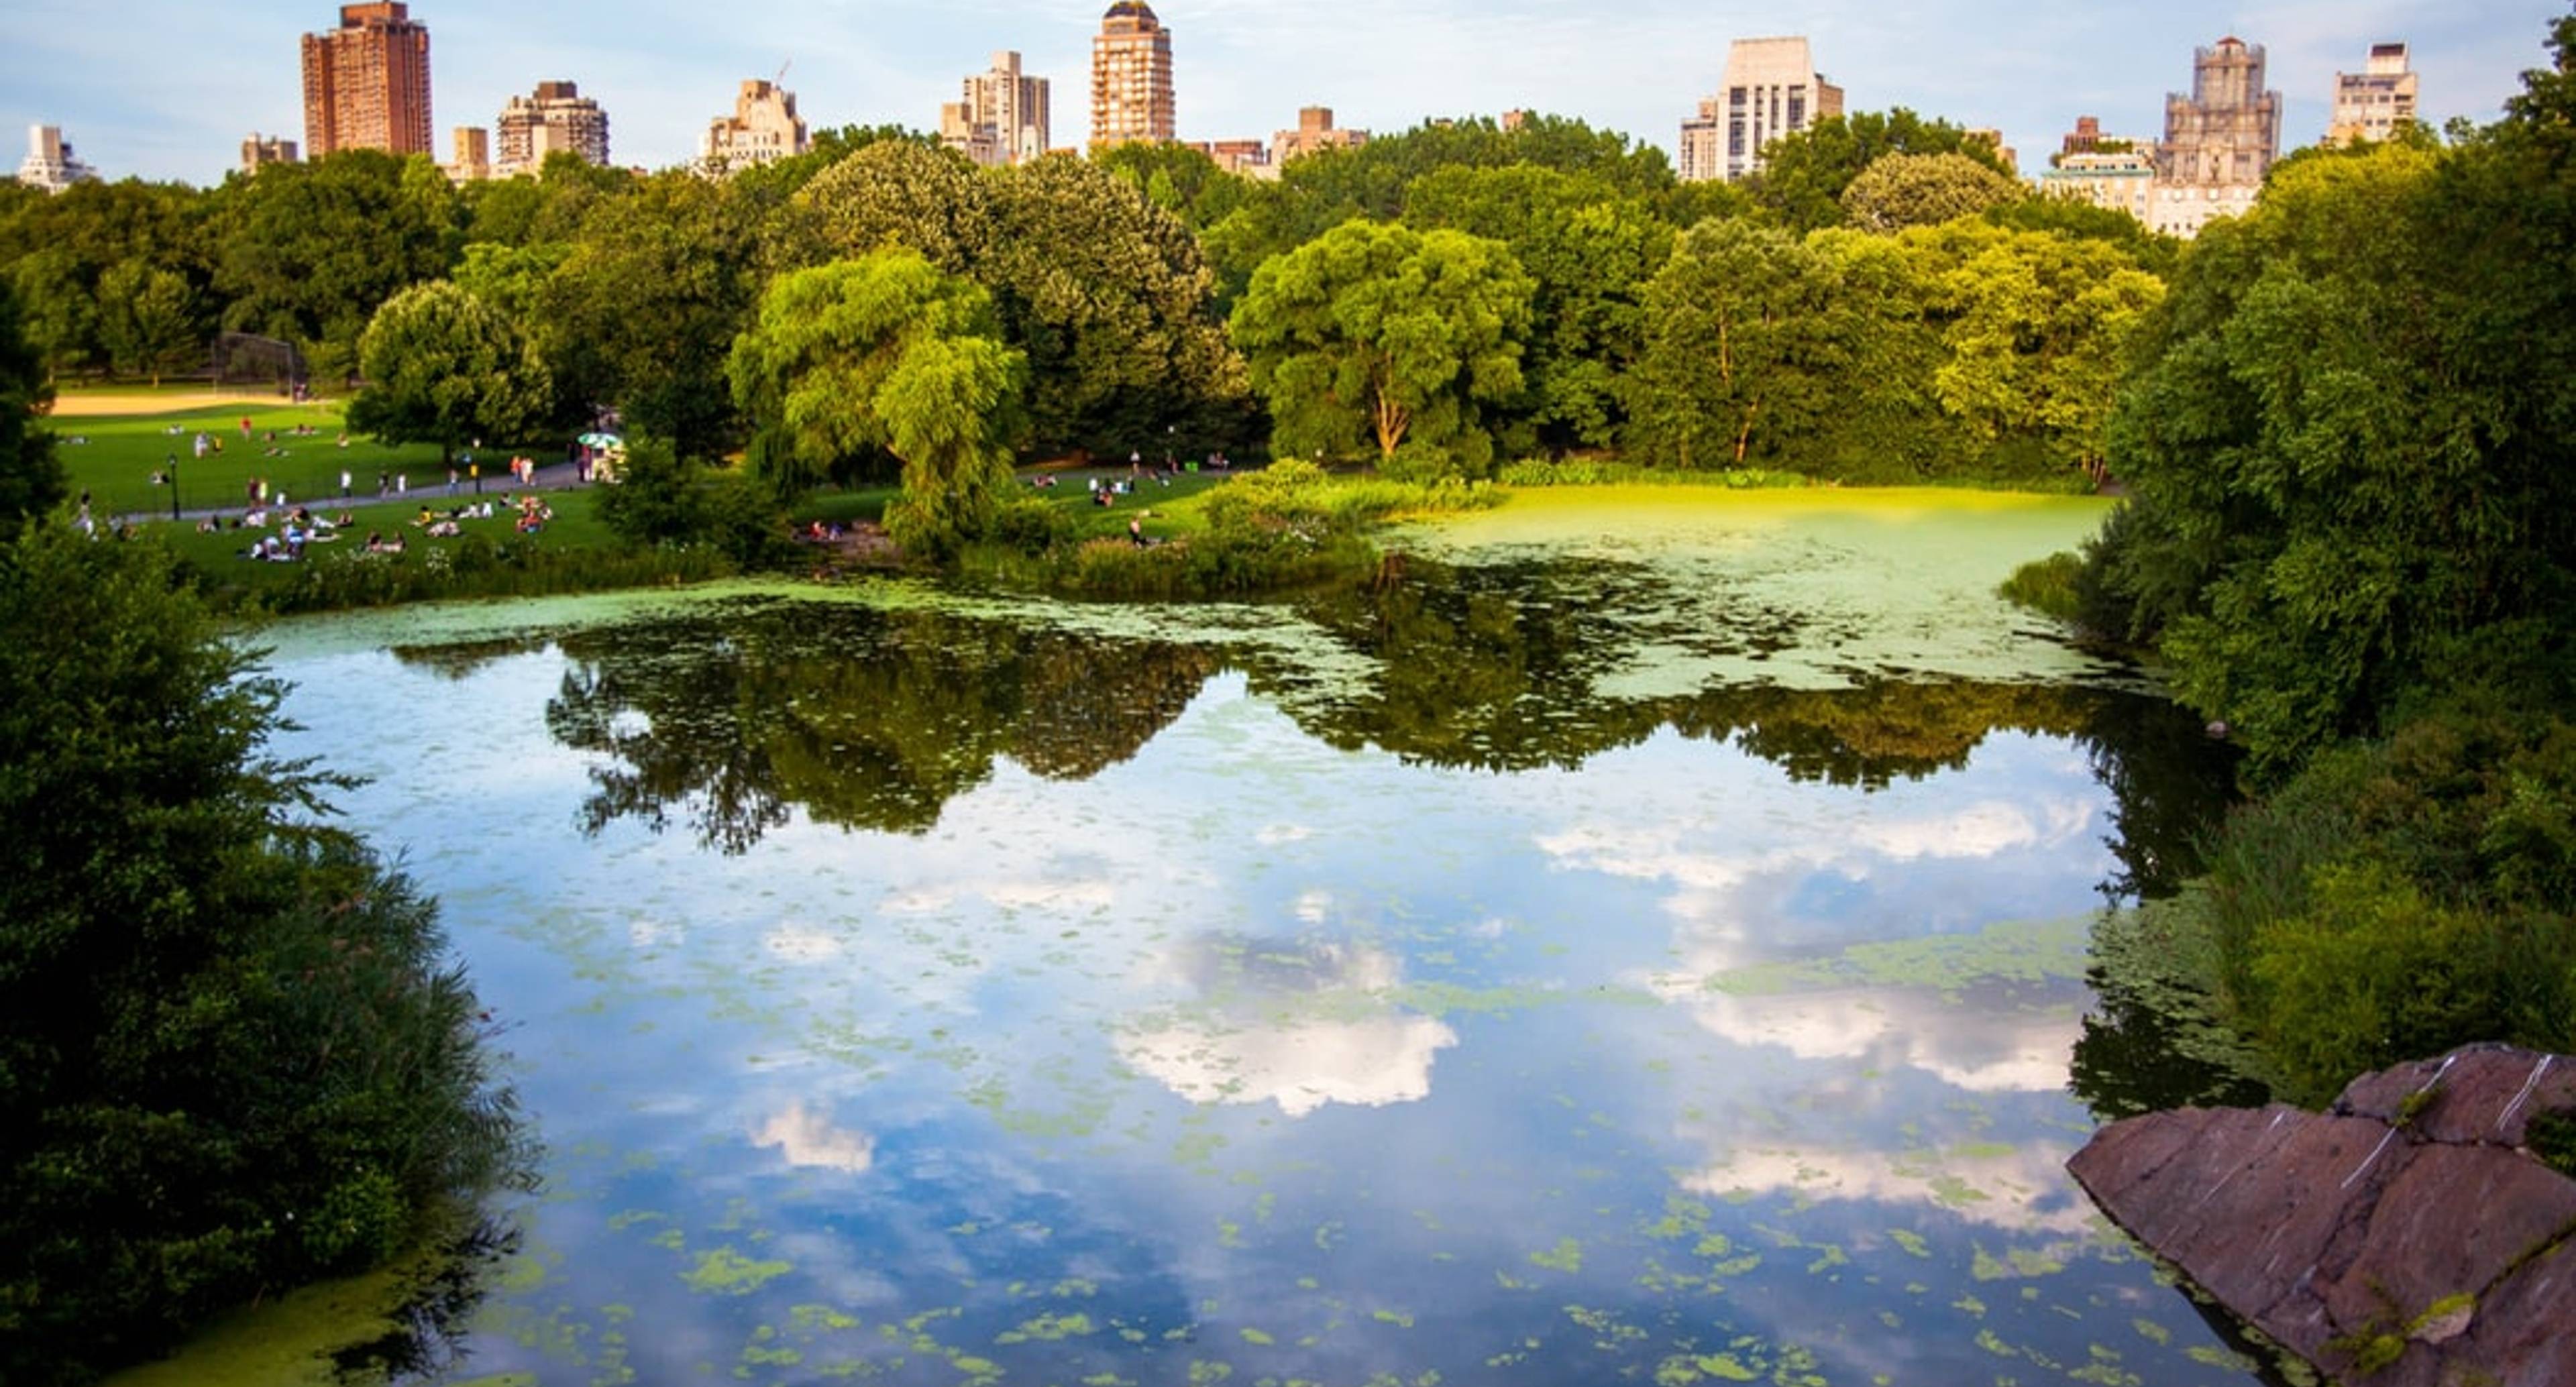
column 464, row 659
column 1496, row 668
column 867, row 719
column 440, row 1291
column 2154, row 1041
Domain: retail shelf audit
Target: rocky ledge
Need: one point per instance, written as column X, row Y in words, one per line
column 2407, row 1237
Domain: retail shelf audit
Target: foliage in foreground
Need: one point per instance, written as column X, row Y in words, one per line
column 2403, row 897
column 233, row 1054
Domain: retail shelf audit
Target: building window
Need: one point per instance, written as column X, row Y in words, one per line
column 1797, row 110
column 1735, row 139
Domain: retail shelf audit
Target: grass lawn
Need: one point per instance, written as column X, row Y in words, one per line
column 114, row 457
column 576, row 526
column 1170, row 510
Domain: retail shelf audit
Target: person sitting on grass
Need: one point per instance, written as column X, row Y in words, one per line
column 445, row 529
column 210, row 525
column 423, row 518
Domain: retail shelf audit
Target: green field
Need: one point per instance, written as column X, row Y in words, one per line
column 114, row 457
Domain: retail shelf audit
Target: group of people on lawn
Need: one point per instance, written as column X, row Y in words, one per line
column 301, row 527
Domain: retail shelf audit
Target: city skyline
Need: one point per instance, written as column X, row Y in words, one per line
column 1242, row 70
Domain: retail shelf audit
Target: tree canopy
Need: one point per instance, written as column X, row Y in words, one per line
column 443, row 367
column 1383, row 333
column 885, row 353
column 31, row 478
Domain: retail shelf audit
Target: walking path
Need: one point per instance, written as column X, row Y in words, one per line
column 561, row 476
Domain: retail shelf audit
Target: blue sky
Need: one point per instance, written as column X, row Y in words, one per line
column 165, row 89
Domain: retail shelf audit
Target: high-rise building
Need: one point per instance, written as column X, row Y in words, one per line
column 473, row 162
column 763, row 128
column 1315, row 133
column 2372, row 103
column 2219, row 141
column 259, row 151
column 1131, row 77
column 1771, row 89
column 557, row 118
column 366, row 83
column 1003, row 119
column 50, row 164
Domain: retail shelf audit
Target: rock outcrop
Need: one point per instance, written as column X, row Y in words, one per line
column 2407, row 1237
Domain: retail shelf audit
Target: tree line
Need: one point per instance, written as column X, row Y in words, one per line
column 2351, row 540
column 1883, row 304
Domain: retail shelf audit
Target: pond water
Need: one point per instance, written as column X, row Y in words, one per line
column 1644, row 941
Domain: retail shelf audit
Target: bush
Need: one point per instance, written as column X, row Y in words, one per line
column 2400, row 898
column 235, row 1056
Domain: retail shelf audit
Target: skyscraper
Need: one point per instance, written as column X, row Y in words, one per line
column 1131, row 77
column 1771, row 89
column 1003, row 119
column 558, row 117
column 366, row 83
column 2371, row 104
column 2219, row 141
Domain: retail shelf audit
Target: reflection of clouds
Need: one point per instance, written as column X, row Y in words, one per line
column 1978, row 1050
column 799, row 944
column 2022, row 1190
column 1313, row 906
column 1979, row 830
column 809, row 1140
column 1276, row 835
column 1299, row 1027
column 1301, row 1066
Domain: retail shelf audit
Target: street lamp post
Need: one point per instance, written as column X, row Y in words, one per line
column 170, row 473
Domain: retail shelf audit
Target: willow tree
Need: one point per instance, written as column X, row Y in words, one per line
column 885, row 355
column 1398, row 337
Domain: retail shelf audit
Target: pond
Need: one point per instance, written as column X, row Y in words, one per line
column 1643, row 939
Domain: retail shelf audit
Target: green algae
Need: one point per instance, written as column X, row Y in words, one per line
column 729, row 1273
column 1566, row 1256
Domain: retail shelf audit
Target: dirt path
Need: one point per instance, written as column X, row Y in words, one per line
column 106, row 404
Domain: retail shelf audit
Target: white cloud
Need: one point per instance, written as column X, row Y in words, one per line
column 808, row 1139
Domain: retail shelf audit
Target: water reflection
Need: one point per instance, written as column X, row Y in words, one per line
column 869, row 718
column 860, row 717
column 1444, row 980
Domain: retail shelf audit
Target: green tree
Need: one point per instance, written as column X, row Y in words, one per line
column 1804, row 175
column 885, row 353
column 1390, row 334
column 1106, row 294
column 443, row 367
column 147, row 320
column 57, row 310
column 641, row 314
column 1588, row 252
column 1902, row 190
column 31, row 478
column 308, row 252
column 233, row 1054
column 1742, row 347
column 1182, row 181
column 2038, row 330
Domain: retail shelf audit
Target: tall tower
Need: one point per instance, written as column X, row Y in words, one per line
column 2219, row 141
column 1771, row 89
column 1131, row 77
column 366, row 83
column 2371, row 104
column 1003, row 119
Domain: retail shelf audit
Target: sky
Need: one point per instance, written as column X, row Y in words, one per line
column 167, row 89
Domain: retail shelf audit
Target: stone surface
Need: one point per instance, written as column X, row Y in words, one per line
column 2406, row 1210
